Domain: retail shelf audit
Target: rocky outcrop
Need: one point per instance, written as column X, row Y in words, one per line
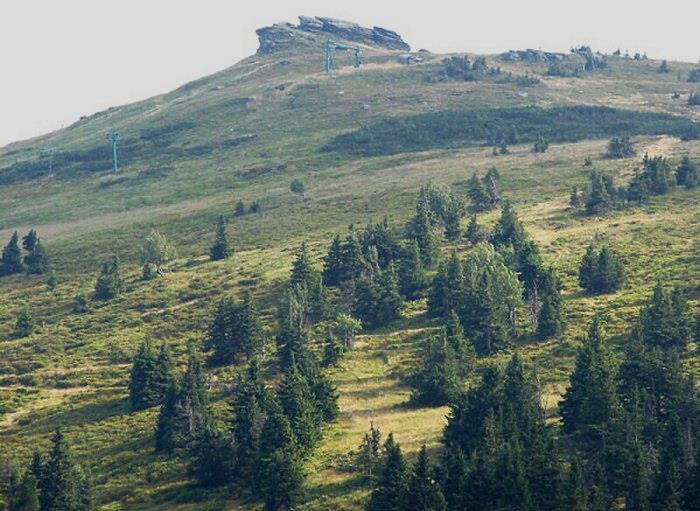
column 317, row 29
column 530, row 55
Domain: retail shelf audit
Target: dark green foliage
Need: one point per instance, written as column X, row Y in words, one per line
column 477, row 194
column 63, row 486
column 602, row 271
column 299, row 406
column 30, row 240
column 694, row 99
column 575, row 199
column 389, row 492
column 11, row 260
column 694, row 76
column 663, row 68
column 369, row 453
column 590, row 403
column 541, row 145
column 255, row 208
column 212, row 457
column 413, row 279
column 296, row 186
column 344, row 261
column 599, row 196
column 235, row 331
column 80, row 304
column 620, row 148
column 687, row 173
column 310, row 283
column 508, row 229
column 475, row 233
column 383, row 239
column 447, row 288
column 25, row 324
column 151, row 376
column 665, row 320
column 420, row 132
column 422, row 229
column 221, row 248
column 658, row 171
column 435, row 380
column 27, row 497
column 424, row 493
column 240, row 209
column 550, row 322
column 378, row 302
column 452, row 219
column 463, row 348
column 110, row 283
column 52, row 280
column 282, row 475
column 461, row 68
column 185, row 412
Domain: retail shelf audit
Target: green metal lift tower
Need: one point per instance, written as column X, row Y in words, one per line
column 328, row 52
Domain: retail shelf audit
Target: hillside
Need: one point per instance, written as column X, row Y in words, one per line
column 363, row 141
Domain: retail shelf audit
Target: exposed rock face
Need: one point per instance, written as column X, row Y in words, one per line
column 281, row 36
column 530, row 55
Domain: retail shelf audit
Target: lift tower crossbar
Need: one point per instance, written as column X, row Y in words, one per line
column 329, row 58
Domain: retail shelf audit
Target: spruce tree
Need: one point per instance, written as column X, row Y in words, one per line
column 299, row 405
column 477, row 194
column 574, row 199
column 27, row 497
column 332, row 263
column 574, row 496
column 665, row 321
column 509, row 230
column 369, row 453
column 590, row 403
column 610, row 271
column 424, row 493
column 211, row 457
column 413, row 279
column 389, row 493
column 25, row 324
column 447, row 289
column 435, row 380
column 587, row 271
column 110, row 283
column 687, row 173
column 37, row 262
column 550, row 322
column 221, row 249
column 389, row 299
column 63, row 486
column 240, row 209
column 235, row 331
column 422, row 230
column 474, row 233
column 463, row 348
column 11, row 260
column 452, row 219
column 30, row 240
column 141, row 394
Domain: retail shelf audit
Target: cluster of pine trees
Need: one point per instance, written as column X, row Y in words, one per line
column 483, row 193
column 51, row 482
column 34, row 262
column 601, row 270
column 629, row 438
column 656, row 177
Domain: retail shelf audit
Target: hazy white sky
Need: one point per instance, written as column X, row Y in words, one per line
column 67, row 58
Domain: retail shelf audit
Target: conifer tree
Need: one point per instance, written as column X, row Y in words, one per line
column 665, row 321
column 447, row 289
column 389, row 492
column 463, row 348
column 588, row 269
column 610, row 272
column 477, row 194
column 687, row 173
column 298, row 403
column 452, row 219
column 422, row 230
column 110, row 283
column 474, row 232
column 590, row 403
column 574, row 495
column 25, row 323
column 369, row 453
column 413, row 279
column 549, row 321
column 27, row 498
column 29, row 240
column 63, row 486
column 11, row 260
column 389, row 299
column 211, row 457
column 221, row 249
column 37, row 262
column 281, row 471
column 332, row 263
column 574, row 199
column 235, row 331
column 508, row 230
column 599, row 199
column 141, row 393
column 240, row 209
column 436, row 378
column 424, row 493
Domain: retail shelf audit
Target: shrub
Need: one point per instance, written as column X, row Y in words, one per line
column 620, row 148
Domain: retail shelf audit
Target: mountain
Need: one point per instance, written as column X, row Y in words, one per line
column 362, row 141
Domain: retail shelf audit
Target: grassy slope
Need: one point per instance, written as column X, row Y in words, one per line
column 74, row 370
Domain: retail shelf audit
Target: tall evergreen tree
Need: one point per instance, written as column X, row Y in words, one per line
column 436, row 377
column 25, row 324
column 389, row 493
column 687, row 173
column 549, row 321
column 298, row 403
column 37, row 262
column 29, row 240
column 141, row 394
column 424, row 493
column 236, row 330
column 221, row 249
column 422, row 230
column 413, row 279
column 474, row 233
column 665, row 321
column 463, row 348
column 477, row 194
column 508, row 230
column 447, row 289
column 27, row 498
column 590, row 403
column 11, row 260
column 332, row 263
column 63, row 486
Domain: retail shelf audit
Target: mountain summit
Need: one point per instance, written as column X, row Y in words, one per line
column 281, row 36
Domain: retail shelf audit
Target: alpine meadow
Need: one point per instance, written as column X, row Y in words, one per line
column 344, row 275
